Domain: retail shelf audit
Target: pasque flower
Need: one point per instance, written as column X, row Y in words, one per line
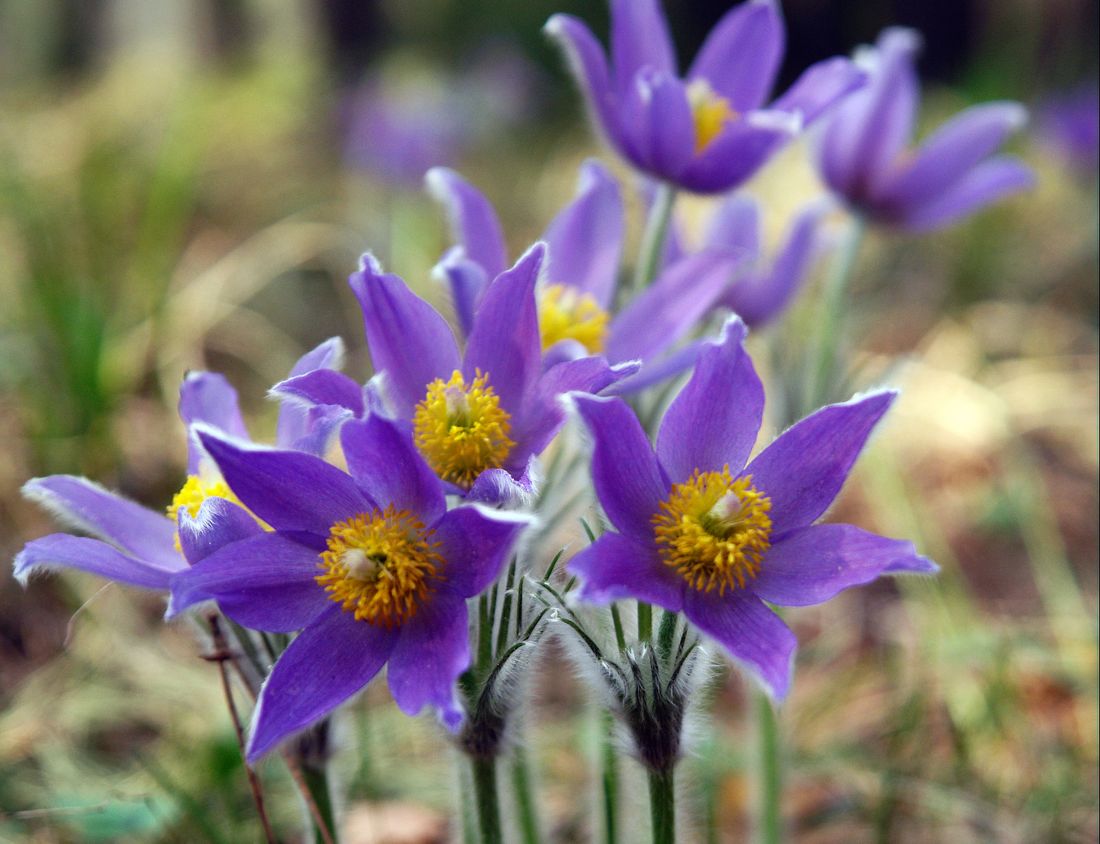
column 711, row 130
column 576, row 299
column 132, row 544
column 371, row 566
column 701, row 532
column 863, row 155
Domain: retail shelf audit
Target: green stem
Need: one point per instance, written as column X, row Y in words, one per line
column 484, row 771
column 770, row 823
column 317, row 783
column 610, row 778
column 665, row 634
column 645, row 622
column 526, row 811
column 832, row 318
column 653, row 240
column 662, row 806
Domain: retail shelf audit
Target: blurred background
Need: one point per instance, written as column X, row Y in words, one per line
column 188, row 185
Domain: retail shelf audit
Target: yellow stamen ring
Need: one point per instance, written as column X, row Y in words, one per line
column 710, row 111
column 566, row 313
column 380, row 566
column 713, row 530
column 461, row 429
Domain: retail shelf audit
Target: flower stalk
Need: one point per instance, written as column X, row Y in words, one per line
column 662, row 805
column 770, row 822
column 653, row 240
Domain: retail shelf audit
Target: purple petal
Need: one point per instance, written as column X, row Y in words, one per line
column 628, row 480
column 585, row 239
column 741, row 56
column 333, row 658
column 656, row 371
column 467, row 282
column 218, row 523
column 671, row 306
column 388, row 468
column 951, row 153
column 296, row 423
column 812, row 565
column 987, row 183
column 320, row 423
column 500, row 488
column 431, row 652
column 208, row 397
column 266, row 582
column 639, row 38
column 86, row 506
column 60, row 550
column 804, row 468
column 474, row 223
column 504, row 343
column 289, row 490
column 409, row 341
column 615, row 567
column 714, row 420
column 819, row 87
column 321, row 386
column 476, row 541
column 741, row 149
column 736, row 224
column 663, row 127
column 750, row 634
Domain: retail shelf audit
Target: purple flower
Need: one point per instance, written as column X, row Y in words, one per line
column 575, row 301
column 710, row 131
column 863, row 155
column 701, row 532
column 371, row 566
column 132, row 544
column 478, row 416
column 1070, row 125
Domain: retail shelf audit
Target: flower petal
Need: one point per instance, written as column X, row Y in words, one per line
column 804, row 468
column 742, row 54
column 628, row 480
column 218, row 523
column 504, row 343
column 615, row 567
column 431, row 652
column 60, row 550
column 500, row 488
column 208, row 397
column 813, row 564
column 296, row 423
column 467, row 281
column 639, row 38
column 267, row 582
column 333, row 658
column 289, row 490
column 408, row 339
column 321, row 386
column 474, row 222
column 714, row 420
column 736, row 224
column 987, row 183
column 475, row 541
column 389, row 470
column 750, row 634
column 656, row 371
column 585, row 240
column 819, row 87
column 663, row 128
column 86, row 506
column 742, row 148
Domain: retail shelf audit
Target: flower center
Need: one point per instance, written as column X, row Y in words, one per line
column 711, row 112
column 714, row 530
column 192, row 494
column 380, row 566
column 565, row 313
column 461, row 429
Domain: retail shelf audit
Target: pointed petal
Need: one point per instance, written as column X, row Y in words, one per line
column 466, row 281
column 499, row 488
column 628, row 480
column 658, row 370
column 751, row 635
column 409, row 341
column 319, row 387
column 86, row 506
column 296, row 423
column 987, row 183
column 615, row 567
column 742, row 54
column 474, row 223
column 820, row 87
column 218, row 523
column 714, row 420
column 813, row 564
column 804, row 468
column 476, row 541
column 333, row 658
column 663, row 128
column 639, row 38
column 743, row 147
column 208, row 397
column 62, row 551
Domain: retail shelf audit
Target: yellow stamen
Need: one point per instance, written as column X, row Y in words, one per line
column 565, row 313
column 713, row 530
column 461, row 429
column 710, row 111
column 380, row 566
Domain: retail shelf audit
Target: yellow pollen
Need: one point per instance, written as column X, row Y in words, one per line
column 710, row 111
column 565, row 313
column 714, row 530
column 380, row 566
column 192, row 494
column 461, row 429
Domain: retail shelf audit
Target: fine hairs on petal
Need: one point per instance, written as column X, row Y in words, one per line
column 36, row 492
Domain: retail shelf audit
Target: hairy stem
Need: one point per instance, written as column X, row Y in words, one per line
column 662, row 806
column 770, row 822
column 484, row 770
column 609, row 775
column 526, row 810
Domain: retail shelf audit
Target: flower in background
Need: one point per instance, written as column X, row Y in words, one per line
column 1069, row 124
column 863, row 155
column 712, row 130
column 703, row 533
column 371, row 567
column 576, row 300
column 141, row 547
